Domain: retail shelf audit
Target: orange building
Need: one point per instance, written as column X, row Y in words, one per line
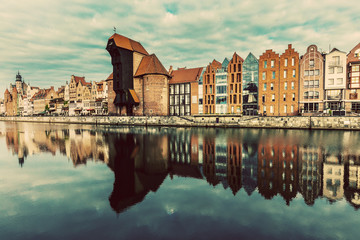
column 269, row 83
column 209, row 87
column 234, row 84
column 289, row 82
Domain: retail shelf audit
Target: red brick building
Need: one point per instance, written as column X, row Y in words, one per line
column 209, row 87
column 140, row 81
column 352, row 97
column 234, row 84
column 269, row 83
column 289, row 82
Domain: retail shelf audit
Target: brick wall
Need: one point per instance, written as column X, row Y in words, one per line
column 153, row 93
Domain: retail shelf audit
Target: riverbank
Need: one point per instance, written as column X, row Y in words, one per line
column 343, row 123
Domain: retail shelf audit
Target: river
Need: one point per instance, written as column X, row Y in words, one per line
column 106, row 182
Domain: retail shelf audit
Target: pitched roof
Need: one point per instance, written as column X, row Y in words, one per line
column 235, row 58
column 7, row 91
column 351, row 55
column 183, row 75
column 127, row 43
column 78, row 79
column 110, row 77
column 150, row 65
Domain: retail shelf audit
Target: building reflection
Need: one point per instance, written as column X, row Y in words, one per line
column 142, row 158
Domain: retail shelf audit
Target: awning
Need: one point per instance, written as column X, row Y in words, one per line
column 77, row 109
column 134, row 96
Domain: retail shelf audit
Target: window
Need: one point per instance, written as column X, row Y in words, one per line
column 272, row 63
column 306, row 73
column 306, row 84
column 311, row 73
column 311, row 63
column 263, row 98
column 264, row 109
column 176, row 89
column 339, row 81
column 292, row 108
column 285, row 73
column 293, row 73
column 336, row 60
column 355, row 68
column 293, row 96
column 264, row 86
column 306, row 95
column 263, row 75
column 292, row 85
column 265, row 64
column 339, row 70
column 187, row 88
column 285, row 109
column 316, row 95
column 273, row 75
column 316, row 83
column 273, row 97
column 317, row 72
column 182, row 89
column 271, row 109
column 293, row 61
column 272, row 86
column 331, row 70
column 286, row 62
column 284, row 96
column 285, row 86
column 331, row 81
column 311, row 83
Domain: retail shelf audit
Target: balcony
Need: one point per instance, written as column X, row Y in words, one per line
column 353, row 96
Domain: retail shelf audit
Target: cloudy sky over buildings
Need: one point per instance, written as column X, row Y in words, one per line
column 48, row 41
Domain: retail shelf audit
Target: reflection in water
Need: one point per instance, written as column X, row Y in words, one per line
column 271, row 162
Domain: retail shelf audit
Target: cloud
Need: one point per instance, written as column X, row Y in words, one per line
column 50, row 41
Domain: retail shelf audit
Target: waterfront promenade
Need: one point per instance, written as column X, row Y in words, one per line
column 303, row 122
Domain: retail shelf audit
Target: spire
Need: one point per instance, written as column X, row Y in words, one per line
column 18, row 76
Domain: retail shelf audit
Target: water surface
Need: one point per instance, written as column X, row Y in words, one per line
column 81, row 181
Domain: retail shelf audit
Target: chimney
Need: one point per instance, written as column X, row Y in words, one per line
column 170, row 69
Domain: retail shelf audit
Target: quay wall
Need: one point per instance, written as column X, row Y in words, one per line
column 303, row 122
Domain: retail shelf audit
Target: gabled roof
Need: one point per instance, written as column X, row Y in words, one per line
column 235, row 58
column 183, row 75
column 215, row 63
column 335, row 49
column 129, row 44
column 7, row 91
column 110, row 77
column 78, row 79
column 351, row 55
column 150, row 65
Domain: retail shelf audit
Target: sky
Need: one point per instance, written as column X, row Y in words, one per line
column 48, row 41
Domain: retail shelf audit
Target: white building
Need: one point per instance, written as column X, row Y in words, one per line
column 335, row 80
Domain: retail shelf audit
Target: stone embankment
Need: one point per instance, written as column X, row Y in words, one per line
column 346, row 123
